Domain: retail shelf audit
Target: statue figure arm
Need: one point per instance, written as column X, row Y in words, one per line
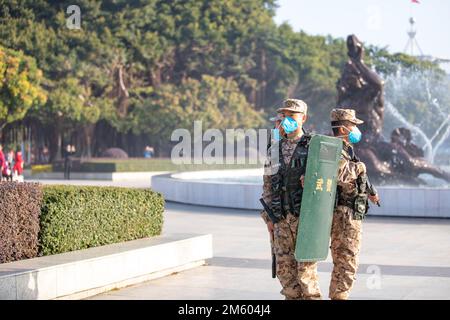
column 367, row 74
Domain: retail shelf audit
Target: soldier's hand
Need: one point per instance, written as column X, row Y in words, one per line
column 374, row 199
column 270, row 226
column 302, row 181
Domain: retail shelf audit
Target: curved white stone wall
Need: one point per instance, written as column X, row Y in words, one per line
column 188, row 187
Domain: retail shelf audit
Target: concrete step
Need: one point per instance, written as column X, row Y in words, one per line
column 112, row 176
column 83, row 273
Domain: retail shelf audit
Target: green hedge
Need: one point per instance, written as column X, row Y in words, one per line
column 44, row 220
column 142, row 165
column 74, row 218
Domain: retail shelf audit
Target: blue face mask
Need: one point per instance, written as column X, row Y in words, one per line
column 289, row 125
column 355, row 135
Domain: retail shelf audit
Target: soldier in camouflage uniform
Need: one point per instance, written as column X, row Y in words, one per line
column 346, row 227
column 283, row 186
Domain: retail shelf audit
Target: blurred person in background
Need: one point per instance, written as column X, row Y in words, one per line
column 149, row 152
column 69, row 152
column 18, row 167
column 2, row 162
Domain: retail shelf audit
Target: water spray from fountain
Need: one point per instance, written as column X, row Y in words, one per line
column 415, row 98
column 407, row 89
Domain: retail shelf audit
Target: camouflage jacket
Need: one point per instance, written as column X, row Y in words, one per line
column 348, row 173
column 288, row 148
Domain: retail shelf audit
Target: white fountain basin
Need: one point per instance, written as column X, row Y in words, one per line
column 243, row 188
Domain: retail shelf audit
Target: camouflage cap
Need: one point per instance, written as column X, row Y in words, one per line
column 345, row 115
column 294, row 105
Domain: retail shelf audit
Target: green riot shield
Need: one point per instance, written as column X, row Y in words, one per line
column 316, row 213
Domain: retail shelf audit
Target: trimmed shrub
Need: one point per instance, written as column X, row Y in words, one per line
column 115, row 153
column 20, row 205
column 74, row 217
column 143, row 165
column 40, row 168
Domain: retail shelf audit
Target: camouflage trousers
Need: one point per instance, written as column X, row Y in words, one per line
column 345, row 246
column 298, row 279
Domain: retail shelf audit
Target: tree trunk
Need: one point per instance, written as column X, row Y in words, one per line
column 262, row 90
column 56, row 146
column 88, row 133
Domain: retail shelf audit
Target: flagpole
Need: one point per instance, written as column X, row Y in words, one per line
column 412, row 41
column 410, row 17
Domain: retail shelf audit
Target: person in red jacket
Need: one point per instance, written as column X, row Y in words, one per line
column 2, row 162
column 18, row 164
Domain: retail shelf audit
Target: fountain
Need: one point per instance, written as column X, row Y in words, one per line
column 399, row 161
column 394, row 165
column 429, row 89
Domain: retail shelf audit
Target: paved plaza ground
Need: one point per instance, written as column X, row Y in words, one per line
column 411, row 256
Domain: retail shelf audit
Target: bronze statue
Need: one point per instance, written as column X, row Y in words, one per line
column 361, row 89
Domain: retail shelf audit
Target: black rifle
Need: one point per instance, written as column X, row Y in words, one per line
column 370, row 187
column 274, row 220
column 269, row 211
column 372, row 190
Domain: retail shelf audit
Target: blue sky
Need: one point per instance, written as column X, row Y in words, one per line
column 378, row 22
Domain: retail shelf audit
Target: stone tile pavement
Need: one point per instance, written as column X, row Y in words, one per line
column 411, row 257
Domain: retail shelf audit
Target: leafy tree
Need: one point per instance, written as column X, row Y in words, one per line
column 19, row 86
column 217, row 102
column 138, row 69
